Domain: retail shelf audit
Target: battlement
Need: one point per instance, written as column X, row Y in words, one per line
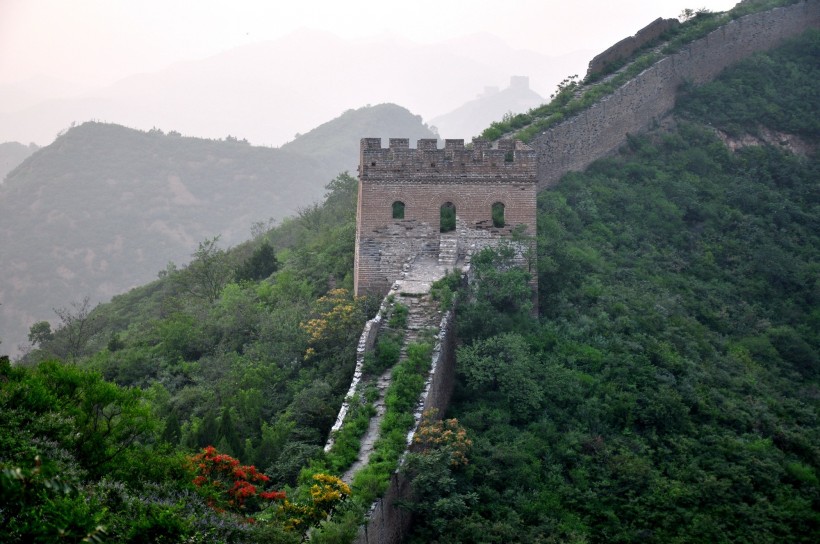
column 508, row 160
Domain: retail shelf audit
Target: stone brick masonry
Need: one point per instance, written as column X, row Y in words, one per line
column 600, row 130
column 627, row 46
column 424, row 179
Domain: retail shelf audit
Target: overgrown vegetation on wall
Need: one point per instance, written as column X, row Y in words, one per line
column 573, row 96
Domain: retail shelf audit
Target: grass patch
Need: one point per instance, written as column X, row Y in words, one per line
column 345, row 448
column 400, row 401
column 444, row 290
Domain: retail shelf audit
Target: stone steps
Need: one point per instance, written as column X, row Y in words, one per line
column 423, row 314
column 448, row 250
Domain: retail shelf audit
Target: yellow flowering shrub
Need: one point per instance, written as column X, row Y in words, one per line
column 336, row 316
column 326, row 494
column 441, row 434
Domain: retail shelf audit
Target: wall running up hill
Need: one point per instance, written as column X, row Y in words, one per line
column 640, row 103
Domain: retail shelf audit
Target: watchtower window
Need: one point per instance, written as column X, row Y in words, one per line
column 398, row 210
column 498, row 214
column 447, row 217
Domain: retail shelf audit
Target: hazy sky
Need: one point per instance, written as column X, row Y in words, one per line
column 96, row 42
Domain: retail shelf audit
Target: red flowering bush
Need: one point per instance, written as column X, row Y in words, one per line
column 230, row 486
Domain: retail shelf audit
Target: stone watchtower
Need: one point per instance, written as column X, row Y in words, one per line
column 437, row 204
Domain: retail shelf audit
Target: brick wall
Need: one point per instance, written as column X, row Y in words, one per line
column 626, row 47
column 640, row 103
column 424, row 179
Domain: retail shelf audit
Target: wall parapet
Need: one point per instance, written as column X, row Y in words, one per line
column 626, row 47
column 508, row 160
column 367, row 341
column 638, row 105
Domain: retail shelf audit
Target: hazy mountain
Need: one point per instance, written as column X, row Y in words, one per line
column 337, row 141
column 268, row 92
column 29, row 92
column 12, row 154
column 105, row 207
column 473, row 117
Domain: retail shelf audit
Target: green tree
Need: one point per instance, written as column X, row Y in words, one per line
column 227, row 432
column 261, row 264
column 40, row 334
column 77, row 326
column 207, row 273
column 503, row 365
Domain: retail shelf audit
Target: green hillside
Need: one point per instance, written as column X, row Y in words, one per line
column 667, row 392
column 225, row 352
column 104, row 208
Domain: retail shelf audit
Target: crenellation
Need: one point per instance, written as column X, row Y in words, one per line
column 481, row 144
column 423, row 180
column 427, row 144
column 506, row 145
column 454, row 145
column 370, row 143
column 509, row 161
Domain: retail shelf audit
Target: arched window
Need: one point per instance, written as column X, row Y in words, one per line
column 398, row 210
column 498, row 214
column 448, row 217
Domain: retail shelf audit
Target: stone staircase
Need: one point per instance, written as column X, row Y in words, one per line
column 372, row 433
column 448, row 250
column 423, row 315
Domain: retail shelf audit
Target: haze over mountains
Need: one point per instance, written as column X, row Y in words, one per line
column 268, row 92
column 104, row 207
column 473, row 117
column 12, row 154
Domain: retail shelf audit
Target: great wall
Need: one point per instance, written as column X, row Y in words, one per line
column 400, row 250
column 642, row 102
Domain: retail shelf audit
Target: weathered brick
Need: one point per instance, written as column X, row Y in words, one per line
column 643, row 101
column 424, row 179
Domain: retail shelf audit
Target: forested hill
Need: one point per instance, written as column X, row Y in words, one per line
column 104, row 207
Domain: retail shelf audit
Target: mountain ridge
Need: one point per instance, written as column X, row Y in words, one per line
column 230, row 93
column 105, row 207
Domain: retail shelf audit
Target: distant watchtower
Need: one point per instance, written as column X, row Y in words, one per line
column 438, row 204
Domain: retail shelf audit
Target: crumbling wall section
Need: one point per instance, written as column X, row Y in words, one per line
column 626, row 47
column 638, row 105
column 386, row 522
